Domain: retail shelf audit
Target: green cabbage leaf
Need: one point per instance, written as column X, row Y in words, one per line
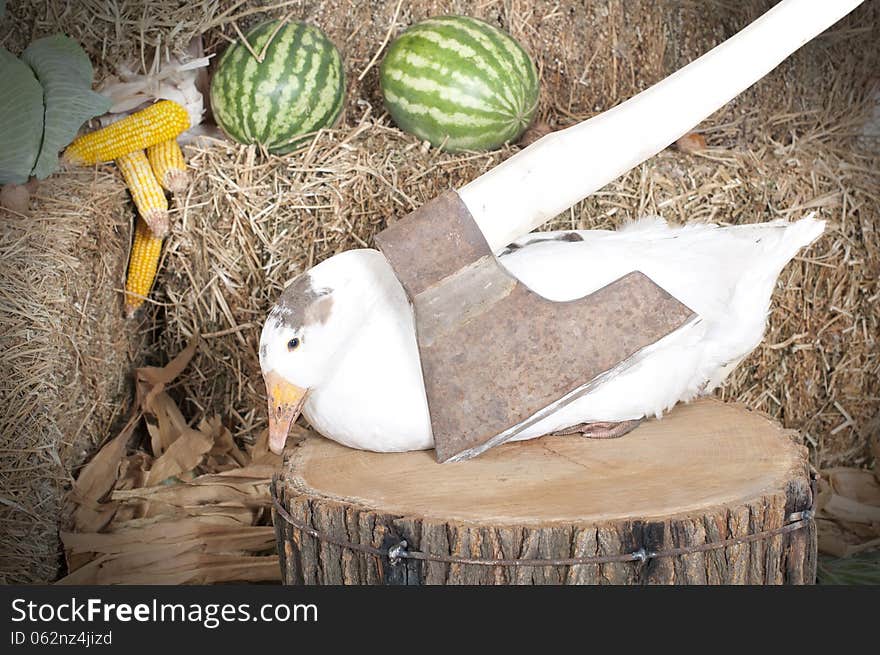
column 21, row 119
column 65, row 73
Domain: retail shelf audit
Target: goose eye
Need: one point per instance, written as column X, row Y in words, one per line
column 293, row 344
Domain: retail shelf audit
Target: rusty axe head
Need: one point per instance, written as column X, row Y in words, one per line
column 497, row 357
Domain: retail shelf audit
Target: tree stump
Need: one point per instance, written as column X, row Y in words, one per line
column 711, row 494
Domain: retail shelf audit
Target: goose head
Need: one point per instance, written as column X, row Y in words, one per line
column 309, row 329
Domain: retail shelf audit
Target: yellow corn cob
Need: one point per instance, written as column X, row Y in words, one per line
column 142, row 265
column 159, row 122
column 168, row 165
column 145, row 191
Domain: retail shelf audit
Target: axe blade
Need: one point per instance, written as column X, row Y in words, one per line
column 495, row 356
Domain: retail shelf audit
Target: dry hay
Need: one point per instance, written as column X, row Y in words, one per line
column 848, row 517
column 250, row 222
column 65, row 354
column 849, row 511
column 189, row 506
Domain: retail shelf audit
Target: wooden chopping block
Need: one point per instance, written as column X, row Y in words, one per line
column 711, row 494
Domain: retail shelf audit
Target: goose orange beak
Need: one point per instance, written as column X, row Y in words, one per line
column 286, row 401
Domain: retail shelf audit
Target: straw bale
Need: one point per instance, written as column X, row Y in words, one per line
column 65, row 357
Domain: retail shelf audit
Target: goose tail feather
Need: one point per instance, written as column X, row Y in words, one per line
column 800, row 234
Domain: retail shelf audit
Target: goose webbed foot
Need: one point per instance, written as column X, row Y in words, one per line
column 601, row 429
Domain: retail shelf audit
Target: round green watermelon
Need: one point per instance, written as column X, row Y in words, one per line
column 297, row 89
column 459, row 82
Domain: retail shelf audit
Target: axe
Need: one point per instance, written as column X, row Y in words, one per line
column 497, row 357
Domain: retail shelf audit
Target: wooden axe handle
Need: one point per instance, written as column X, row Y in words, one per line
column 564, row 167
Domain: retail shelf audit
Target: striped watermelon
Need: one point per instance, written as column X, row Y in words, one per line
column 297, row 89
column 459, row 82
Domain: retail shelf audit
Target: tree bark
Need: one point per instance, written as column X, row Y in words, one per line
column 708, row 472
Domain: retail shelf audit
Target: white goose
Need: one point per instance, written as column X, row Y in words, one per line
column 340, row 344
